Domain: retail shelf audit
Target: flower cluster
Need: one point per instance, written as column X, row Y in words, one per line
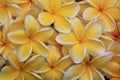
column 59, row 39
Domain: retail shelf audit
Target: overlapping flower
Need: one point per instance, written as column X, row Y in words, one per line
column 59, row 39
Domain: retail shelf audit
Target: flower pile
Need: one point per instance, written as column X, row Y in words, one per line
column 59, row 39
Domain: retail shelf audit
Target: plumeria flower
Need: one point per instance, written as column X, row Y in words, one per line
column 8, row 10
column 105, row 10
column 58, row 13
column 54, row 66
column 6, row 45
column 21, row 70
column 31, row 38
column 26, row 5
column 89, row 68
column 83, row 39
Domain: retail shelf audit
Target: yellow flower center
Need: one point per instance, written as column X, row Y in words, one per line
column 5, row 6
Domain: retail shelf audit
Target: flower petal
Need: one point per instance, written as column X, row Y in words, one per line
column 4, row 15
column 39, row 48
column 33, row 63
column 66, row 59
column 54, row 55
column 62, row 24
column 107, row 4
column 93, row 30
column 31, row 25
column 69, row 10
column 18, row 37
column 77, row 26
column 66, row 39
column 2, row 62
column 44, row 34
column 115, row 78
column 44, row 68
column 15, row 10
column 114, row 12
column 24, row 51
column 96, row 74
column 87, row 75
column 9, row 72
column 90, row 13
column 74, row 72
column 112, row 68
column 78, row 53
column 45, row 18
column 94, row 3
column 13, row 60
column 32, row 76
column 101, row 60
column 108, row 22
column 94, row 46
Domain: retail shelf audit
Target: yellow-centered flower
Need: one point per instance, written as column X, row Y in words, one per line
column 83, row 39
column 31, row 38
column 89, row 68
column 54, row 66
column 21, row 70
column 105, row 10
column 8, row 10
column 57, row 12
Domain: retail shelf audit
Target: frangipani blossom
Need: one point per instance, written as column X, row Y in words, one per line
column 57, row 12
column 105, row 10
column 88, row 69
column 19, row 70
column 31, row 38
column 8, row 10
column 83, row 39
column 6, row 45
column 54, row 66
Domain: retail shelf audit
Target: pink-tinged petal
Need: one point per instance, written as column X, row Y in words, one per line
column 15, row 10
column 45, row 18
column 108, row 22
column 24, row 51
column 39, row 48
column 92, row 30
column 54, row 55
column 96, row 74
column 10, row 72
column 90, row 13
column 66, row 39
column 77, row 26
column 87, row 75
column 69, row 10
column 44, row 34
column 13, row 60
column 101, row 60
column 74, row 72
column 114, row 12
column 78, row 53
column 18, row 37
column 66, row 59
column 94, row 46
column 112, row 69
column 33, row 63
column 31, row 25
column 62, row 24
